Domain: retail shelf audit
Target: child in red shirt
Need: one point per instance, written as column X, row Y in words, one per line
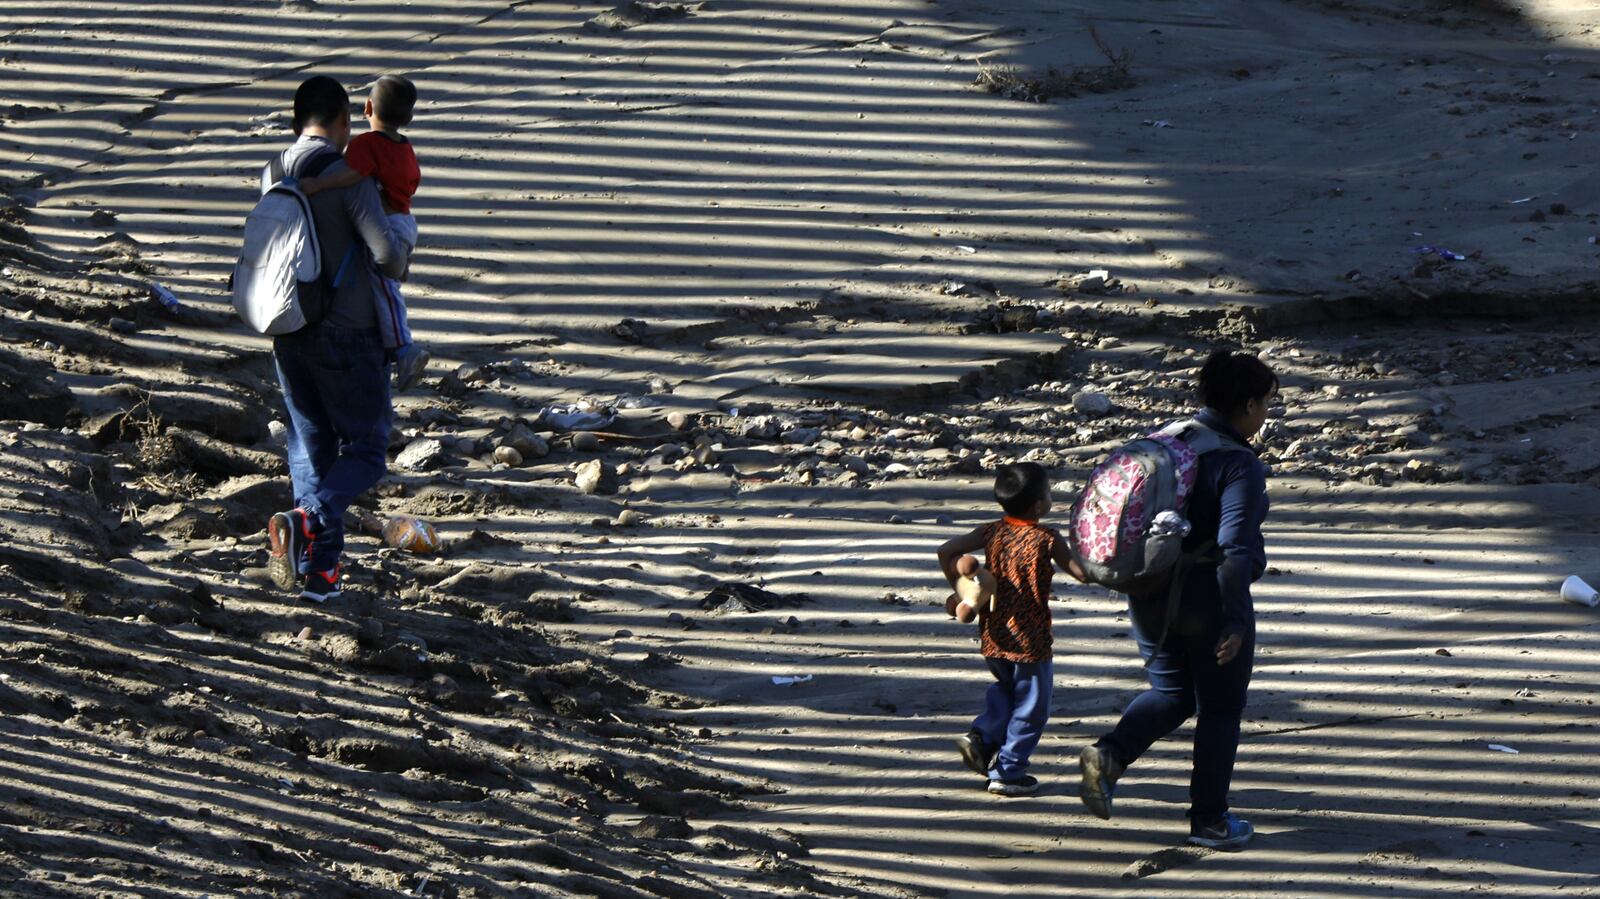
column 383, row 153
column 1015, row 630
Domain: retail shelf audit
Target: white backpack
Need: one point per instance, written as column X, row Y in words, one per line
column 281, row 253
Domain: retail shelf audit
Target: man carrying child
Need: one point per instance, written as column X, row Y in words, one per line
column 334, row 371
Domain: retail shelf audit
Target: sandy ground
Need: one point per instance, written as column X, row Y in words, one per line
column 854, row 275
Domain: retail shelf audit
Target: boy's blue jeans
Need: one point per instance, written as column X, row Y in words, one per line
column 1015, row 711
column 336, row 387
column 1184, row 679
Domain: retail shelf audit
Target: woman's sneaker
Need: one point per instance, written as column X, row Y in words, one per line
column 974, row 753
column 1100, row 771
column 288, row 539
column 1229, row 834
column 1021, row 786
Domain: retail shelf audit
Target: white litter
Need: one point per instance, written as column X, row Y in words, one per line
column 1498, row 748
column 784, row 680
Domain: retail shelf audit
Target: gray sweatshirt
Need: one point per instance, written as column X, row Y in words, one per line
column 350, row 221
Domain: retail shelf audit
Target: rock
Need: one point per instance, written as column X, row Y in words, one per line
column 629, row 518
column 422, row 454
column 594, row 477
column 858, row 434
column 1421, row 471
column 371, row 629
column 802, row 436
column 585, row 442
column 466, row 446
column 471, row 374
column 122, row 325
column 305, row 633
column 527, row 444
column 661, row 827
column 1096, row 281
column 278, row 431
column 630, row 330
column 1089, row 403
column 855, row 464
column 508, row 455
column 659, row 386
column 677, row 421
column 1411, row 436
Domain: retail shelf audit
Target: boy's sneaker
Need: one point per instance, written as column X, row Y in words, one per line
column 409, row 363
column 1100, row 771
column 1229, row 834
column 288, row 541
column 1022, row 786
column 974, row 753
column 321, row 586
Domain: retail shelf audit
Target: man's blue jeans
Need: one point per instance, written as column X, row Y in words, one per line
column 1015, row 711
column 1184, row 679
column 336, row 387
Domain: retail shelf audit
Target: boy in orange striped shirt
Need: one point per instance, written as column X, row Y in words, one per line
column 1015, row 633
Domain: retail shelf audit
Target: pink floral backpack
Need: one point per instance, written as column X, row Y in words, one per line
column 1128, row 525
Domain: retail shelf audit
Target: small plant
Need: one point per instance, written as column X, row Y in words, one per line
column 156, row 455
column 1115, row 74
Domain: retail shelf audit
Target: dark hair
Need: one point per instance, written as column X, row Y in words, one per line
column 320, row 101
column 1020, row 486
column 1230, row 380
column 393, row 99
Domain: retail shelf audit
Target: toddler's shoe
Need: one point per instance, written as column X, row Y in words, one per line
column 974, row 753
column 1021, row 786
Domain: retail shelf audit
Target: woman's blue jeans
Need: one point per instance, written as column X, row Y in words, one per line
column 1186, row 680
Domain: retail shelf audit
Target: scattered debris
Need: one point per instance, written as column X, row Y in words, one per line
column 1007, row 81
column 412, row 534
column 1575, row 590
column 727, row 599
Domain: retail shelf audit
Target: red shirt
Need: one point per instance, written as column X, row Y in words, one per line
column 392, row 162
column 1018, row 554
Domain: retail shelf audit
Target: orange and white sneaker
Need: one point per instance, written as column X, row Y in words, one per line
column 288, row 542
column 321, row 586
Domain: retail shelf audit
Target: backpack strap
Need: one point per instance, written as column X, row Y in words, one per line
column 1180, row 571
column 1202, row 439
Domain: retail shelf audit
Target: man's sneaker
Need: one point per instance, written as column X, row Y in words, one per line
column 288, row 541
column 321, row 586
column 408, row 366
column 1022, row 786
column 974, row 753
column 1100, row 771
column 1229, row 834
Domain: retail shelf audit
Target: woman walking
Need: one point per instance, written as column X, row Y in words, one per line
column 1200, row 660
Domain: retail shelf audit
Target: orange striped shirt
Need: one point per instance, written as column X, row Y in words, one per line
column 1018, row 554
